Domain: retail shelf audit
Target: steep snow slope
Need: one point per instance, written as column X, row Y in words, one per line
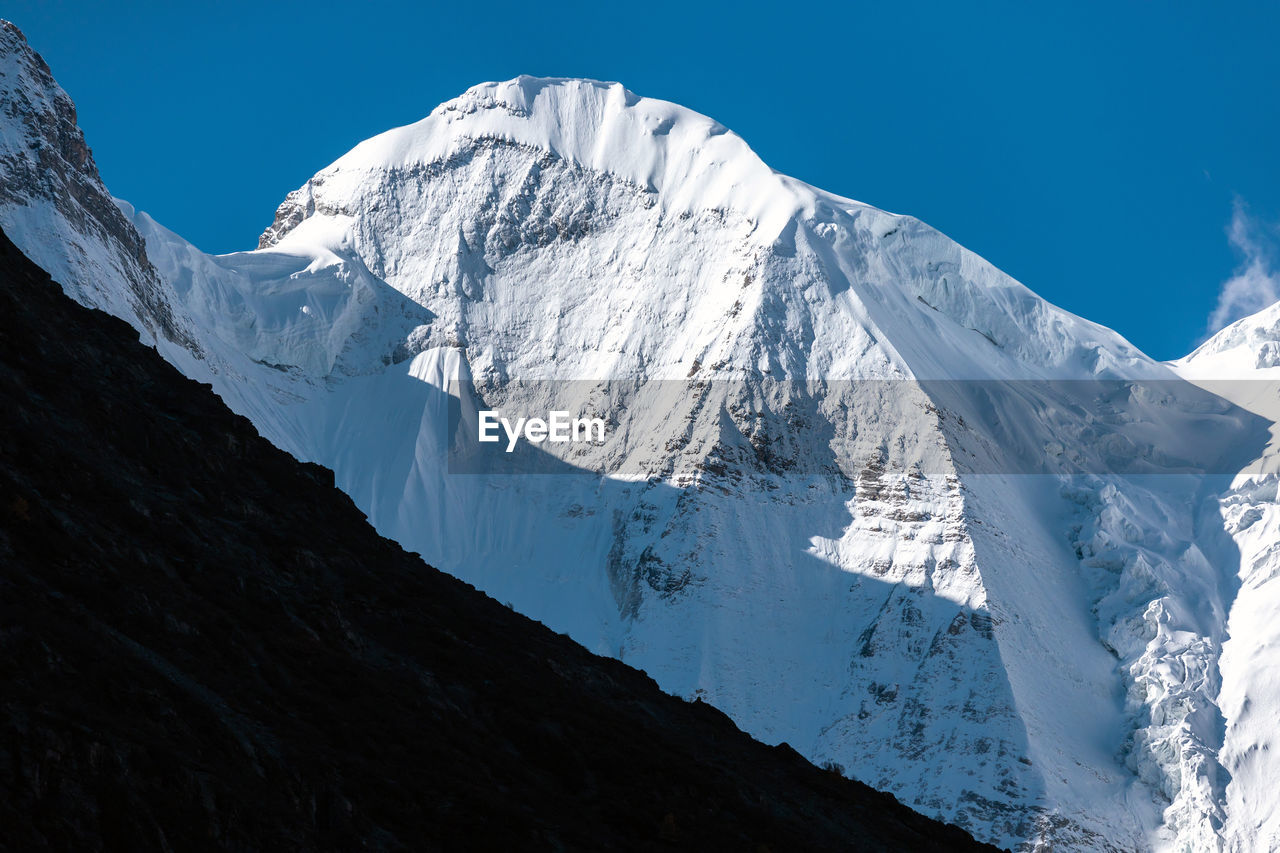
column 862, row 490
column 1242, row 363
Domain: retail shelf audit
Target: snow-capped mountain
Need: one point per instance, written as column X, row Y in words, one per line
column 861, row 490
column 1242, row 364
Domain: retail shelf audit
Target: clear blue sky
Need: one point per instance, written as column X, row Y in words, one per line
column 1092, row 150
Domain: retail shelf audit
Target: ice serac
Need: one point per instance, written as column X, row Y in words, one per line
column 864, row 492
column 1242, row 363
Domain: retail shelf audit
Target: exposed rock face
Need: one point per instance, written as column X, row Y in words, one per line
column 51, row 195
column 206, row 646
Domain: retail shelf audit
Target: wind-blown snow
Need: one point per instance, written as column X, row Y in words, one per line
column 866, row 493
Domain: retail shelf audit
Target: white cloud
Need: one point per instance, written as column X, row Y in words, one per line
column 1256, row 281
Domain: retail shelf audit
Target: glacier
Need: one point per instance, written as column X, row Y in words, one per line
column 865, row 493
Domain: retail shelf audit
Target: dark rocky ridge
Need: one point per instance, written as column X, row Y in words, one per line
column 204, row 645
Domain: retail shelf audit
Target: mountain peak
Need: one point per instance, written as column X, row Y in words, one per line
column 10, row 32
column 689, row 161
column 52, row 198
column 1249, row 344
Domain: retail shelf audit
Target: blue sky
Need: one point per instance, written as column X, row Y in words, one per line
column 1118, row 158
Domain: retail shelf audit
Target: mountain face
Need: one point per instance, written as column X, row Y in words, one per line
column 206, row 647
column 1242, row 364
column 53, row 197
column 859, row 489
column 57, row 211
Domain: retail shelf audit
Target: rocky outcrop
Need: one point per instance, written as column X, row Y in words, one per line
column 53, row 199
